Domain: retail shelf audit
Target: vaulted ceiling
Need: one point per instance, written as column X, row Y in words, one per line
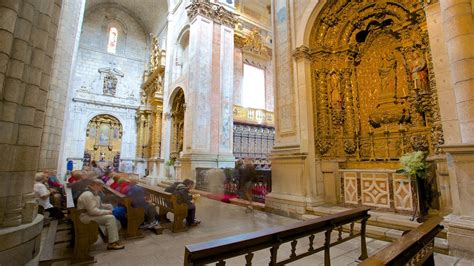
column 152, row 14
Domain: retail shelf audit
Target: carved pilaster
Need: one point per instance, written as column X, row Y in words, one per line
column 322, row 143
column 212, row 11
column 349, row 129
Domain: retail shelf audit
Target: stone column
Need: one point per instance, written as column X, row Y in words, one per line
column 208, row 116
column 28, row 31
column 64, row 58
column 297, row 182
column 458, row 22
column 238, row 74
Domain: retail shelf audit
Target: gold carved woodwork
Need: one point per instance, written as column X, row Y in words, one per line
column 215, row 12
column 150, row 113
column 157, row 55
column 104, row 138
column 373, row 81
column 253, row 43
column 177, row 124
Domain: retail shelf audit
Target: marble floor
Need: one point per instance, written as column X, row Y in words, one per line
column 222, row 220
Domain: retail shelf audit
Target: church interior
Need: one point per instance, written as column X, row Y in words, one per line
column 310, row 132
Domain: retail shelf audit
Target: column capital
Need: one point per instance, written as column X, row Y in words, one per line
column 215, row 12
column 302, row 52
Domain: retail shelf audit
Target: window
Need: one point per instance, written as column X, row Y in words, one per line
column 112, row 44
column 253, row 94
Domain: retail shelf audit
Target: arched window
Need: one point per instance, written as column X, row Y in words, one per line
column 253, row 94
column 112, row 44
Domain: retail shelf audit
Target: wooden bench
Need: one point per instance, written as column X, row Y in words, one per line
column 85, row 235
column 135, row 216
column 414, row 248
column 55, row 246
column 167, row 202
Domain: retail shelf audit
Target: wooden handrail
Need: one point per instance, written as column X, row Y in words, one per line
column 228, row 247
column 414, row 248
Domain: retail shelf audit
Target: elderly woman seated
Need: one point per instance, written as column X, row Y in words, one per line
column 42, row 194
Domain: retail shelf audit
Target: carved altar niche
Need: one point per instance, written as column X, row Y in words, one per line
column 374, row 91
column 178, row 109
column 103, row 138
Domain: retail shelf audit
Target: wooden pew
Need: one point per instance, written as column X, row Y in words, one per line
column 135, row 216
column 414, row 248
column 167, row 202
column 85, row 235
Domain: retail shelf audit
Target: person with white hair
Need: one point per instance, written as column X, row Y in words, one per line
column 100, row 213
column 42, row 194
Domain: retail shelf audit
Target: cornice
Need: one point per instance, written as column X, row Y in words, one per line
column 215, row 12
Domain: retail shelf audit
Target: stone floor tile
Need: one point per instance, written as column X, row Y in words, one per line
column 222, row 220
column 465, row 262
column 444, row 260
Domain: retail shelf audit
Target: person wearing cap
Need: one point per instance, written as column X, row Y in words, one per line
column 100, row 213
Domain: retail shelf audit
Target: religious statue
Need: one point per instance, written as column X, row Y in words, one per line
column 110, row 84
column 388, row 75
column 336, row 99
column 419, row 72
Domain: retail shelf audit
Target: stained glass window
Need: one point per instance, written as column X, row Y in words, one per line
column 112, row 44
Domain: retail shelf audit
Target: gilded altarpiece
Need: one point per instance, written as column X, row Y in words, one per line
column 374, row 95
column 103, row 139
column 177, row 124
column 150, row 114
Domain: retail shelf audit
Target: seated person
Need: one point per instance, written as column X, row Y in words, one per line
column 42, row 196
column 100, row 213
column 182, row 192
column 137, row 196
column 172, row 187
column 56, row 188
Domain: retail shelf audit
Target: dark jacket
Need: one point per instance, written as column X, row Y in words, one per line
column 183, row 195
column 172, row 187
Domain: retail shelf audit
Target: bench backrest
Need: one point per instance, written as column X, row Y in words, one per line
column 414, row 248
column 161, row 198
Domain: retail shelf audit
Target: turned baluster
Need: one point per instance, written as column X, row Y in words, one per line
column 311, row 243
column 248, row 259
column 293, row 248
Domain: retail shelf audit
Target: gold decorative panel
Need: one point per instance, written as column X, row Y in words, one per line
column 374, row 90
column 375, row 190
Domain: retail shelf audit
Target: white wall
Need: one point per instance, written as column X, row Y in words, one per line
column 87, row 84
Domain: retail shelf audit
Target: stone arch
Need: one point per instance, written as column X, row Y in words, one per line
column 370, row 73
column 181, row 51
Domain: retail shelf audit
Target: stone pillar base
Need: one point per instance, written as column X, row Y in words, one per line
column 20, row 244
column 461, row 223
column 294, row 184
column 286, row 205
column 461, row 236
